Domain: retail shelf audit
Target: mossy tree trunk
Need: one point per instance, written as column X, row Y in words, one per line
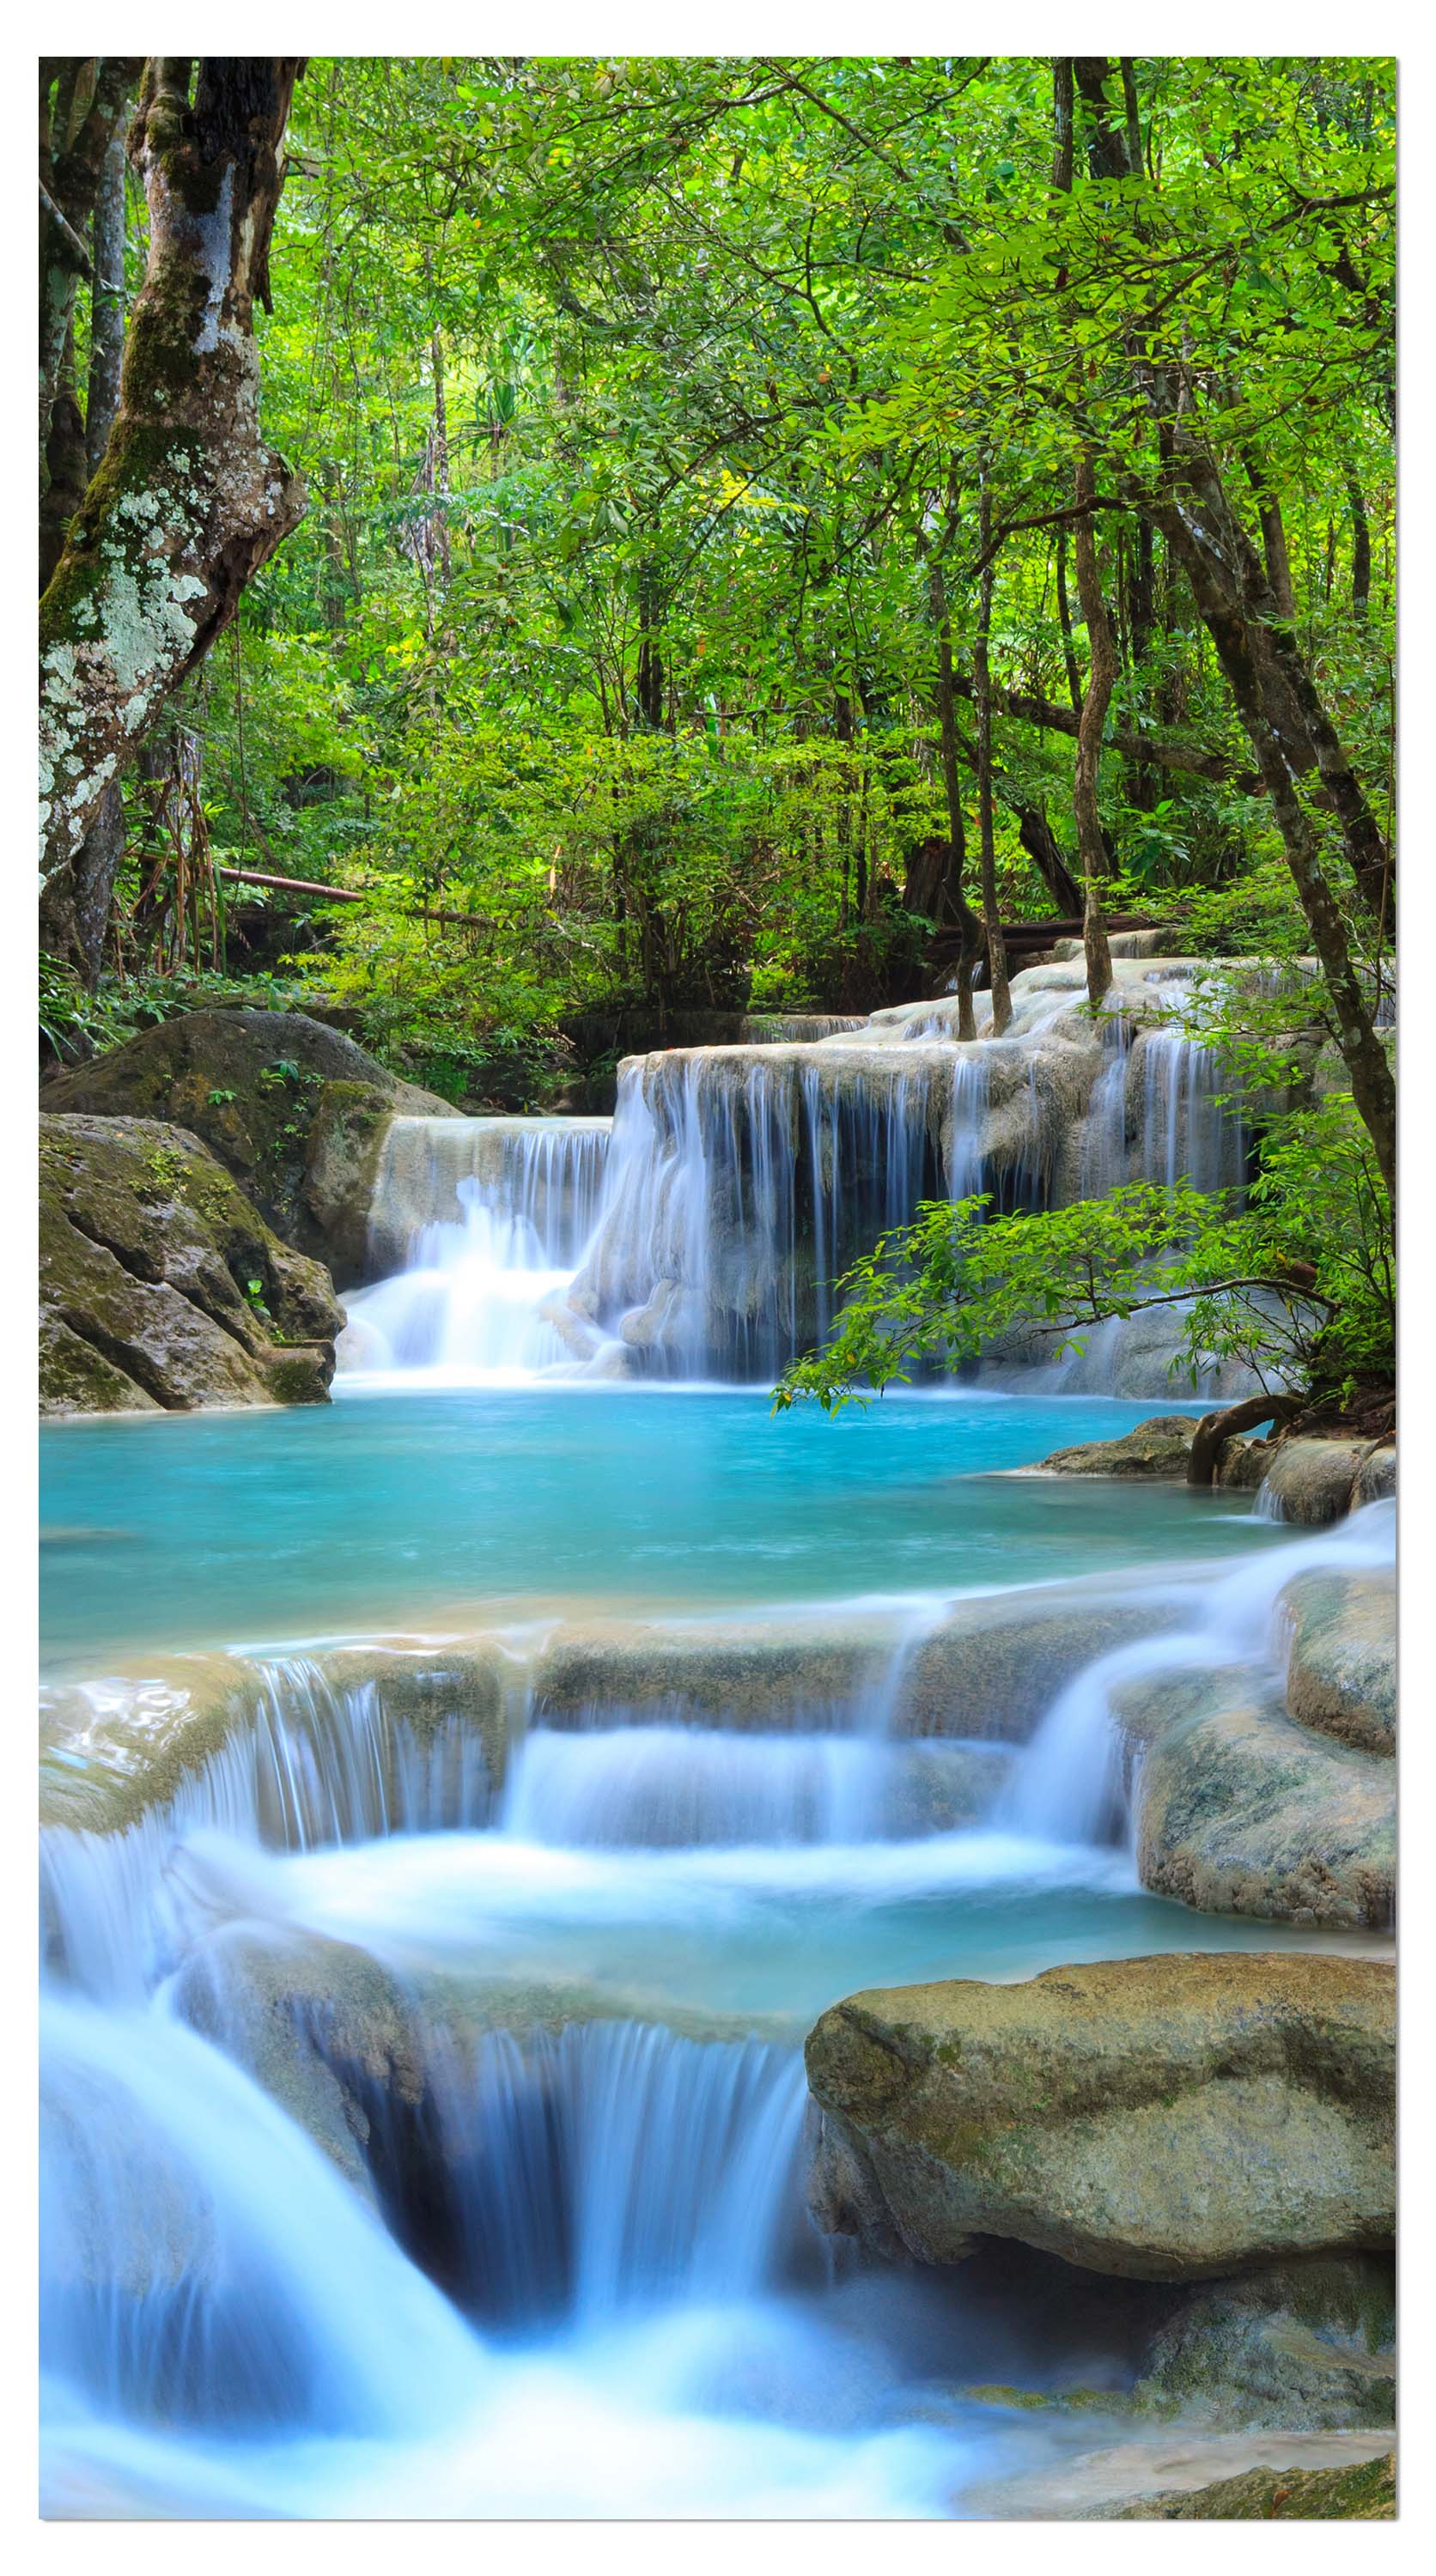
column 189, row 501
column 82, row 107
column 1101, row 677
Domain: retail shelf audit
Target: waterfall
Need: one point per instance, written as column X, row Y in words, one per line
column 203, row 2259
column 738, row 1191
column 1068, row 1784
column 489, row 1218
column 309, row 1763
column 1188, row 1130
column 613, row 2166
column 703, row 1237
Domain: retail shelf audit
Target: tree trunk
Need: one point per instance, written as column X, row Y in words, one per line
column 1044, row 850
column 189, row 501
column 1216, row 1429
column 82, row 106
column 1273, row 539
column 1373, row 1086
column 1360, row 551
column 65, row 474
column 982, row 694
column 1064, row 622
column 1101, row 674
column 107, row 304
column 1229, row 581
column 954, row 898
column 1062, row 123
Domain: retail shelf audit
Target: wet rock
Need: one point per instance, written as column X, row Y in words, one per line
column 1241, row 1811
column 161, row 1288
column 1173, row 2118
column 339, row 1732
column 321, row 2025
column 294, row 1110
column 1308, row 2345
column 1341, row 1668
column 988, row 1668
column 1243, row 1464
column 1309, row 1482
column 1159, row 1447
column 1375, row 1477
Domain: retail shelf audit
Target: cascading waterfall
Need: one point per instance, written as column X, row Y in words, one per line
column 489, row 1217
column 575, row 2222
column 1070, row 1783
column 702, row 1241
column 615, row 2166
column 305, row 1764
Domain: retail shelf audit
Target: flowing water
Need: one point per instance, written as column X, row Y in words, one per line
column 423, row 2102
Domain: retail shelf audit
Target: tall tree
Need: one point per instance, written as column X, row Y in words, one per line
column 189, row 500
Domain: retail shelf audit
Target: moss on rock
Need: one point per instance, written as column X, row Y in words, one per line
column 1365, row 2493
column 1341, row 1668
column 1172, row 2118
column 160, row 1286
column 294, row 1111
column 1159, row 1447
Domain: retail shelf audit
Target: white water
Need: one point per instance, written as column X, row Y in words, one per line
column 584, row 2283
column 1070, row 1783
column 489, row 1217
column 704, row 1239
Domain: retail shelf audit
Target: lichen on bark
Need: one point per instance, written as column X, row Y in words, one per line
column 189, row 501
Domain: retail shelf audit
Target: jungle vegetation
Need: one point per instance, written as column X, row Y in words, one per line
column 597, row 540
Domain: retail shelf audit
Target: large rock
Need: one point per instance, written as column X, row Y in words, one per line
column 1310, row 2345
column 1172, row 2118
column 160, row 1286
column 1341, row 1668
column 1241, row 1811
column 1376, row 1476
column 1310, row 1481
column 296, row 1111
column 1158, row 1447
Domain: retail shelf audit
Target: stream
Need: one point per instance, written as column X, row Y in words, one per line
column 423, row 2130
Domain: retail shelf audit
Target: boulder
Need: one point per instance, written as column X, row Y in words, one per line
column 293, row 1109
column 1310, row 2345
column 1158, row 1447
column 1341, row 1667
column 1310, row 1481
column 1173, row 2118
column 161, row 1288
column 1240, row 1811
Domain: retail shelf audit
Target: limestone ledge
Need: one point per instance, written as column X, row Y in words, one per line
column 984, row 1671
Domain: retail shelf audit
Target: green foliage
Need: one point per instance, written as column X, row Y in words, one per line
column 1298, row 1284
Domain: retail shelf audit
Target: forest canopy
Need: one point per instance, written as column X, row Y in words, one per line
column 765, row 523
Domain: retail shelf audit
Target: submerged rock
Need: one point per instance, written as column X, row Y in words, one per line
column 295, row 1111
column 161, row 1288
column 1171, row 2118
column 1341, row 1669
column 1159, row 1447
column 1238, row 1810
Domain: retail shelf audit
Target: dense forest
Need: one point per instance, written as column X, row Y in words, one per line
column 593, row 545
